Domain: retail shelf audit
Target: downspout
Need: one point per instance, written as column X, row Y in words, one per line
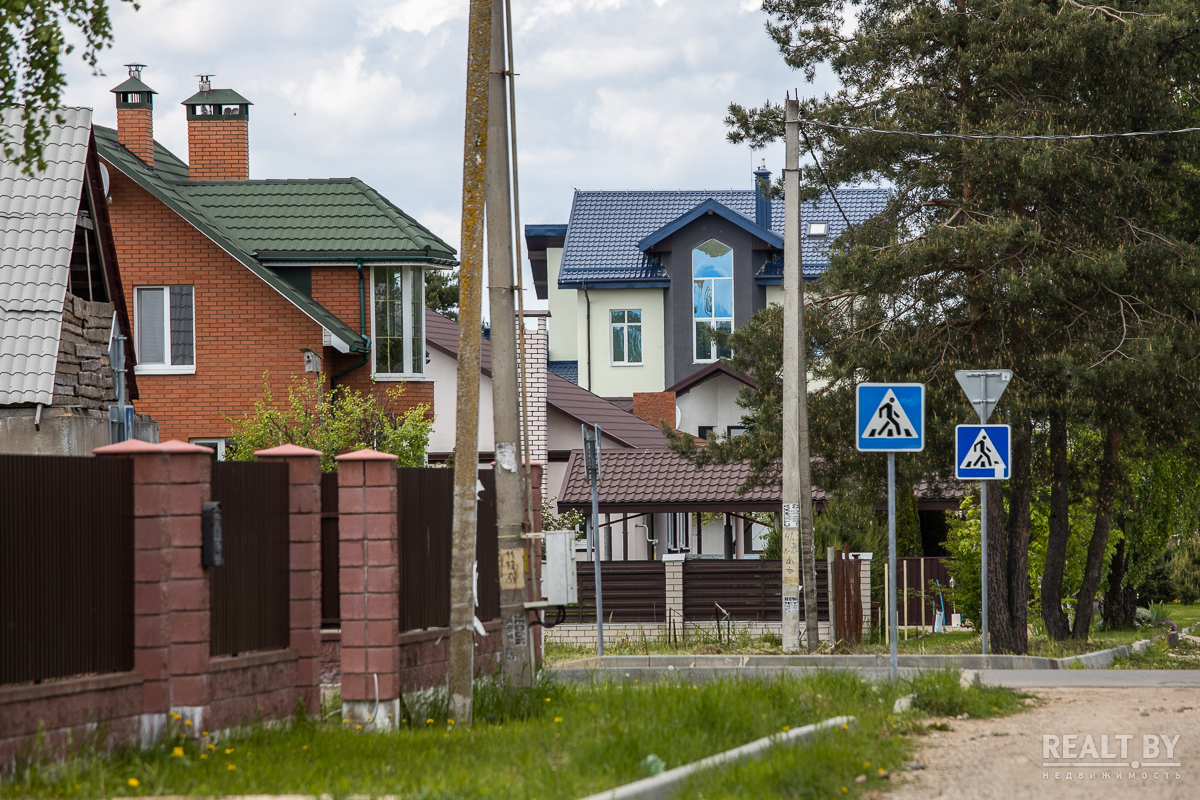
column 362, row 327
column 588, row 302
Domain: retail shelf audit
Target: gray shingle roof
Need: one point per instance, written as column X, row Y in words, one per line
column 605, row 228
column 567, row 370
column 37, row 229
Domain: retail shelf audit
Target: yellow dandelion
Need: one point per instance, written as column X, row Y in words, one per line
column 305, row 747
column 176, row 716
column 881, row 770
column 134, row 782
column 204, row 733
column 178, row 751
column 547, row 699
column 866, row 765
column 212, row 747
column 229, row 750
column 345, row 719
column 187, row 722
column 358, row 727
column 787, row 727
column 429, row 721
column 231, row 767
column 558, row 719
column 845, row 727
column 370, row 719
column 845, row 790
column 203, row 756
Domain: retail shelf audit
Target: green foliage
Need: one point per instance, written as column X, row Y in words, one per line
column 1185, row 568
column 941, row 693
column 1161, row 505
column 332, row 422
column 441, row 292
column 570, row 519
column 908, row 524
column 33, row 41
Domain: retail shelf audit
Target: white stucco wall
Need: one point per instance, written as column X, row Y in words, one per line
column 775, row 295
column 444, row 372
column 713, row 402
column 609, row 380
column 564, row 335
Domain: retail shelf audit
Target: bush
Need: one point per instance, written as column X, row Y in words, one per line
column 333, row 422
column 1185, row 568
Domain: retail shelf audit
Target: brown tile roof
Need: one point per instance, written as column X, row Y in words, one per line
column 635, row 481
column 649, row 480
column 711, row 371
column 579, row 404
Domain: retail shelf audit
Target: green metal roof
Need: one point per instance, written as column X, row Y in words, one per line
column 336, row 220
column 225, row 97
column 133, row 85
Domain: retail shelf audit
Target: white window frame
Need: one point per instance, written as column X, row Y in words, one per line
column 406, row 304
column 818, row 230
column 217, row 444
column 162, row 368
column 714, row 319
column 625, row 336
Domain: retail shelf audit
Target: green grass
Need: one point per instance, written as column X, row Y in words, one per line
column 557, row 741
column 1185, row 655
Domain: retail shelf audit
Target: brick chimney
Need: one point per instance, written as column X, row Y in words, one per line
column 218, row 134
column 762, row 203
column 655, row 407
column 135, row 115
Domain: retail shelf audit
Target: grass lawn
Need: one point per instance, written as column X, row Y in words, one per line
column 557, row 741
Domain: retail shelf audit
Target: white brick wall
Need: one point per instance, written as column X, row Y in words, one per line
column 535, row 389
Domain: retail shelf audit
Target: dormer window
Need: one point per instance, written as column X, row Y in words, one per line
column 818, row 229
column 712, row 299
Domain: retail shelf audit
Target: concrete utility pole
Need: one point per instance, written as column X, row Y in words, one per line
column 517, row 663
column 466, row 433
column 798, row 546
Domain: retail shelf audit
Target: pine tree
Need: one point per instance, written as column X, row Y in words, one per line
column 1070, row 262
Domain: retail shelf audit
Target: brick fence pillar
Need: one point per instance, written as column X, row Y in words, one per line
column 304, row 507
column 171, row 589
column 673, row 565
column 189, row 588
column 369, row 556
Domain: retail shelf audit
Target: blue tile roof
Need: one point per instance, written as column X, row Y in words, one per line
column 605, row 227
column 567, row 370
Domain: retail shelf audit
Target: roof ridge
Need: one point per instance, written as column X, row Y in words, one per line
column 394, row 211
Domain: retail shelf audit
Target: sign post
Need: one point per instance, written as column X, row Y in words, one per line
column 591, row 464
column 983, row 388
column 891, row 419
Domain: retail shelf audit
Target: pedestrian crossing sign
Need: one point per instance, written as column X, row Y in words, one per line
column 982, row 452
column 891, row 417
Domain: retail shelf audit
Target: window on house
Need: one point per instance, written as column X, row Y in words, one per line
column 704, row 430
column 736, row 430
column 818, row 229
column 712, row 298
column 626, row 336
column 398, row 320
column 218, row 446
column 165, row 329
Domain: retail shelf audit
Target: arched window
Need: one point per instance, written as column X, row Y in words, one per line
column 712, row 298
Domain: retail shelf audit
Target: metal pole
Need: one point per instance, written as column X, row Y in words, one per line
column 466, row 433
column 983, row 515
column 891, row 599
column 517, row 662
column 793, row 336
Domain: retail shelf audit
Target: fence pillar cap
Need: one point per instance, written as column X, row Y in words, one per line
column 127, row 448
column 176, row 446
column 366, row 455
column 287, row 451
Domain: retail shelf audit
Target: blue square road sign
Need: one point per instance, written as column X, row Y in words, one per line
column 982, row 452
column 891, row 417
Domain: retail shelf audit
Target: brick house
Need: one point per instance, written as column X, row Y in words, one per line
column 230, row 278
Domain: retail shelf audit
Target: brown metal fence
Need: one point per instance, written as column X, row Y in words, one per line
column 746, row 590
column 66, row 567
column 250, row 592
column 915, row 606
column 426, row 513
column 331, row 596
column 634, row 591
column 847, row 593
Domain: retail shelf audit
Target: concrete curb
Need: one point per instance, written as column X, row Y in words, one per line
column 664, row 785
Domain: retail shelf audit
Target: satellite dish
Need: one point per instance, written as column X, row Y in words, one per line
column 104, row 180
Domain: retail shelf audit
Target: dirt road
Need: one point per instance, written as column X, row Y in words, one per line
column 1013, row 758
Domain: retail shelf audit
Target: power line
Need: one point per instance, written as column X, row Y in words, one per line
column 1007, row 137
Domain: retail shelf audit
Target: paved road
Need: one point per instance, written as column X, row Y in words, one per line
column 1091, row 678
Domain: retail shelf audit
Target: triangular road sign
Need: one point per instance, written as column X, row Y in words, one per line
column 889, row 421
column 983, row 455
column 983, row 388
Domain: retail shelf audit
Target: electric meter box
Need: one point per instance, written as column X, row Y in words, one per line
column 560, row 587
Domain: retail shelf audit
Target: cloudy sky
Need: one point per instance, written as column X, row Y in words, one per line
column 611, row 94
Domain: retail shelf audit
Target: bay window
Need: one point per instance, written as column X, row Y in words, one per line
column 398, row 321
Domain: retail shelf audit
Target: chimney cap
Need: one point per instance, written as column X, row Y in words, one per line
column 133, row 93
column 216, row 103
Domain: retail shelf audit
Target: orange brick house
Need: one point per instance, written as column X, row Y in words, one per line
column 231, row 278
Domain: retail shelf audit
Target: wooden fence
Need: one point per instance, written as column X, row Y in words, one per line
column 250, row 592
column 66, row 567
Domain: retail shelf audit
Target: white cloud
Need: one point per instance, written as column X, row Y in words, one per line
column 420, row 16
